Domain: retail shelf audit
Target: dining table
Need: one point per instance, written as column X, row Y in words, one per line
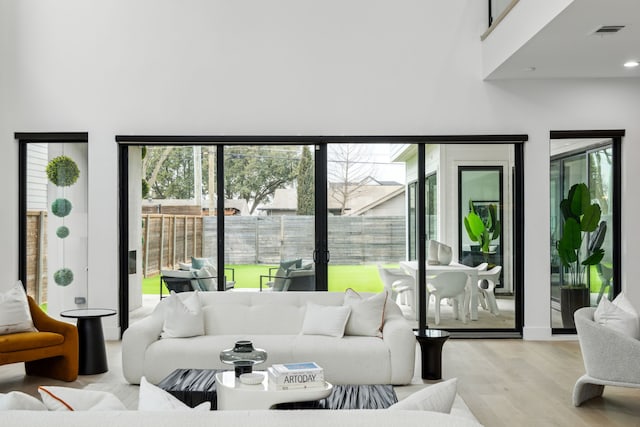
column 471, row 296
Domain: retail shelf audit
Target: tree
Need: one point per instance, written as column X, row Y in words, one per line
column 254, row 173
column 305, row 183
column 348, row 172
column 171, row 176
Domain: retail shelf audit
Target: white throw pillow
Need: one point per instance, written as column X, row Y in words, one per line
column 153, row 398
column 15, row 315
column 206, row 278
column 327, row 320
column 367, row 314
column 73, row 399
column 184, row 266
column 618, row 315
column 17, row 400
column 437, row 397
column 183, row 318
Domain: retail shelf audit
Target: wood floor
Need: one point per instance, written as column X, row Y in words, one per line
column 503, row 382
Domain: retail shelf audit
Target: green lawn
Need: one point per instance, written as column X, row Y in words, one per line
column 362, row 278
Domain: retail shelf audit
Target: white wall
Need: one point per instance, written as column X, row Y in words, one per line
column 524, row 21
column 284, row 67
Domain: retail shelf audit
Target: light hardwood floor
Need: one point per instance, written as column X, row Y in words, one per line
column 504, row 383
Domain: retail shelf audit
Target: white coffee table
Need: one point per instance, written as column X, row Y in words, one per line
column 232, row 394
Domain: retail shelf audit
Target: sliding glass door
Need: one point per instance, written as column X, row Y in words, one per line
column 366, row 212
column 53, row 205
column 322, row 213
column 585, row 272
column 269, row 223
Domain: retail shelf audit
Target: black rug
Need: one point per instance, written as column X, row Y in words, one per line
column 194, row 386
column 377, row 396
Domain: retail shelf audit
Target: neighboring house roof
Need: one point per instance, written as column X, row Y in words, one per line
column 385, row 198
column 362, row 199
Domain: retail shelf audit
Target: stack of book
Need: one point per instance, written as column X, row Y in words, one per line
column 290, row 376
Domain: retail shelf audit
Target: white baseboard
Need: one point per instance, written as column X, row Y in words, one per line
column 111, row 333
column 544, row 334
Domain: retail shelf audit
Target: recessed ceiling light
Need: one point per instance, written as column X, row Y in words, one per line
column 631, row 64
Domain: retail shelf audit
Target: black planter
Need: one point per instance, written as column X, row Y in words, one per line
column 572, row 299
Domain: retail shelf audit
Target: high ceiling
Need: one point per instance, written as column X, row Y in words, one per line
column 568, row 48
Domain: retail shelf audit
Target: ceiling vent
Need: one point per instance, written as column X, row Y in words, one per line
column 608, row 29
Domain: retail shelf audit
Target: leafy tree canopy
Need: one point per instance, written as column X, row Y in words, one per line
column 169, row 172
column 254, row 173
column 306, row 183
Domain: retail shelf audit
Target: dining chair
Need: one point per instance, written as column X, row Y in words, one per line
column 487, row 280
column 398, row 284
column 449, row 284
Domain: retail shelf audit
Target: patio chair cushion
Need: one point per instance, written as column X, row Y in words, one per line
column 183, row 318
column 15, row 315
column 618, row 315
column 279, row 279
column 367, row 314
column 205, row 278
column 198, row 263
column 287, row 264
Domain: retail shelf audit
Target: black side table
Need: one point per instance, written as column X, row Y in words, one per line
column 431, row 342
column 93, row 355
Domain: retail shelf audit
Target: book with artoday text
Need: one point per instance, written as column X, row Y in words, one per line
column 296, row 374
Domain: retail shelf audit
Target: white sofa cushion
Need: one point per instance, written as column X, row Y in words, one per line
column 182, row 317
column 346, row 360
column 20, row 401
column 367, row 314
column 325, row 320
column 437, row 397
column 73, row 399
column 618, row 315
column 257, row 313
column 153, row 398
column 15, row 315
column 254, row 418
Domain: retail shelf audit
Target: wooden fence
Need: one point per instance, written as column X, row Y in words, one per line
column 37, row 255
column 170, row 239
column 267, row 240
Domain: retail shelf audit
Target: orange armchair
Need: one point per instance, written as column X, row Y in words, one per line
column 51, row 352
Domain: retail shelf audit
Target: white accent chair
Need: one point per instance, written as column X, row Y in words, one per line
column 400, row 285
column 487, row 295
column 449, row 284
column 610, row 358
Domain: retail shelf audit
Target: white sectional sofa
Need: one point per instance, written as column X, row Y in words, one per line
column 265, row 418
column 272, row 321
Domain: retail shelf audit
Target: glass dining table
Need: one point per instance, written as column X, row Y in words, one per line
column 471, row 297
